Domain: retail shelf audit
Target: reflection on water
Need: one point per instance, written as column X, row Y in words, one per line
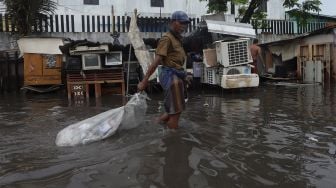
column 271, row 136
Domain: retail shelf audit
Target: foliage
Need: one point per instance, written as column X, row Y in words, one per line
column 301, row 12
column 27, row 13
column 259, row 20
column 217, row 6
column 249, row 9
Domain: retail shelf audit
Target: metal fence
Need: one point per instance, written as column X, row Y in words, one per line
column 106, row 23
column 93, row 23
column 280, row 27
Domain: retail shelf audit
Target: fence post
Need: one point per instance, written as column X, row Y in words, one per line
column 146, row 22
column 98, row 23
column 113, row 24
column 73, row 23
column 67, row 24
column 51, row 23
column 123, row 24
column 45, row 20
column 103, row 17
column 56, row 23
column 128, row 22
column 93, row 24
column 88, row 23
column 109, row 24
column 83, row 23
column 118, row 24
column 151, row 25
column 156, row 24
column 62, row 23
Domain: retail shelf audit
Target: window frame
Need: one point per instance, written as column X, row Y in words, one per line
column 91, row 2
column 157, row 3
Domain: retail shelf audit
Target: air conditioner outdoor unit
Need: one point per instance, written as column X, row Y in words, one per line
column 243, row 69
column 233, row 53
column 239, row 81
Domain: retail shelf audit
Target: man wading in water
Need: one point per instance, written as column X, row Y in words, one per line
column 171, row 55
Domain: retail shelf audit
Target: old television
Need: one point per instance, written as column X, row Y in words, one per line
column 73, row 63
column 91, row 61
column 113, row 58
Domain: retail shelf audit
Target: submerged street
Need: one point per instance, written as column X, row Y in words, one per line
column 276, row 135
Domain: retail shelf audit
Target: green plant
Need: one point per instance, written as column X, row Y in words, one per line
column 25, row 14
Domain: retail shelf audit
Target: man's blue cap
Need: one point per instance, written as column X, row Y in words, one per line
column 180, row 16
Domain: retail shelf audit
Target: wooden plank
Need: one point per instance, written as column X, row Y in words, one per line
column 42, row 80
column 310, row 52
column 303, row 52
column 97, row 90
column 32, row 65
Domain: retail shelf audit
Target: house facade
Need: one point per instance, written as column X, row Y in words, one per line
column 151, row 8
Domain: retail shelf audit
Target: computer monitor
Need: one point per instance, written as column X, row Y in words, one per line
column 113, row 58
column 91, row 61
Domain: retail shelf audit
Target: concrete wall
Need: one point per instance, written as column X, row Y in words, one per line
column 266, row 37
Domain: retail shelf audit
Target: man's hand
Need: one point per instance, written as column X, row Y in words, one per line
column 142, row 85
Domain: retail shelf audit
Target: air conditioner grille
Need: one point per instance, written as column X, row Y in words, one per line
column 238, row 52
column 233, row 71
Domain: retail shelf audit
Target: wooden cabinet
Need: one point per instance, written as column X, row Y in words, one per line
column 42, row 69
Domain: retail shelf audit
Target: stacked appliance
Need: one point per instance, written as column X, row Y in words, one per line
column 232, row 69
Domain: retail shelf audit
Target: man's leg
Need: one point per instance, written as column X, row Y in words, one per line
column 163, row 118
column 173, row 121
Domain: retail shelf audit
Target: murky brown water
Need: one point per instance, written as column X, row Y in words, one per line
column 272, row 136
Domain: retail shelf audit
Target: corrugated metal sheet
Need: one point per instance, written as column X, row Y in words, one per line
column 231, row 28
column 40, row 45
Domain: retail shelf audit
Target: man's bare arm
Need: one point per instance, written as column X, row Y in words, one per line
column 143, row 84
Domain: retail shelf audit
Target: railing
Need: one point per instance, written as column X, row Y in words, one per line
column 280, row 27
column 93, row 23
column 106, row 23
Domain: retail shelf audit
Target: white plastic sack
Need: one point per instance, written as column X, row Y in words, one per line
column 104, row 124
column 135, row 111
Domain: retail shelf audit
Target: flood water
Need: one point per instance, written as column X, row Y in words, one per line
column 271, row 136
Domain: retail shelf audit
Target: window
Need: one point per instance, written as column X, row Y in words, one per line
column 91, row 2
column 157, row 3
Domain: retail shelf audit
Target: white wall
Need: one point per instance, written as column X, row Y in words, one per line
column 275, row 10
column 194, row 8
column 104, row 7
